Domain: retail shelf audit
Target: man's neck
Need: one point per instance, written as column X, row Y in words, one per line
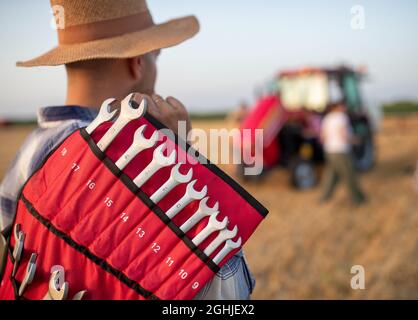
column 88, row 93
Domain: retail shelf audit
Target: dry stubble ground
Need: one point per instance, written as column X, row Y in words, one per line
column 305, row 249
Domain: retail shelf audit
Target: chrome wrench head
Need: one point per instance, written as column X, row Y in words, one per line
column 161, row 159
column 105, row 114
column 130, row 110
column 54, row 292
column 227, row 248
column 223, row 235
column 176, row 178
column 190, row 195
column 212, row 226
column 142, row 142
column 203, row 211
column 139, row 144
column 203, row 206
column 215, row 224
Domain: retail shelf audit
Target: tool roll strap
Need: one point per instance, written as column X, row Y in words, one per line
column 81, row 212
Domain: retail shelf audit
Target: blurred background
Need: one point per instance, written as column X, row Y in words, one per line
column 243, row 53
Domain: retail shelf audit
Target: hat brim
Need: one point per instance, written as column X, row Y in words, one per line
column 128, row 45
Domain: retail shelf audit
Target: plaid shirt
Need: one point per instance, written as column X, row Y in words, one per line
column 233, row 281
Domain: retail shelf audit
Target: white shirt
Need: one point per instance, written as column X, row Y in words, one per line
column 336, row 132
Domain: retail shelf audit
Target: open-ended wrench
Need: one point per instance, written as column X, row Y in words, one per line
column 227, row 248
column 129, row 110
column 212, row 226
column 190, row 195
column 79, row 295
column 201, row 212
column 17, row 251
column 55, row 293
column 223, row 235
column 139, row 144
column 29, row 275
column 105, row 114
column 174, row 180
column 159, row 161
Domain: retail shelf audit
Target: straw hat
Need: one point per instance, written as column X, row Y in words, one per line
column 96, row 29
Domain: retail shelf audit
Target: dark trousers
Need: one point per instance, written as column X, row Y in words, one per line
column 340, row 167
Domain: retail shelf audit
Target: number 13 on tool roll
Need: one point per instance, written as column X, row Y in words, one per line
column 117, row 209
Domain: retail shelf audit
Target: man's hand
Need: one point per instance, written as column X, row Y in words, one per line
column 170, row 111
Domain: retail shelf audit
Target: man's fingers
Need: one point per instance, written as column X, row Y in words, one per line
column 152, row 107
column 181, row 111
column 160, row 102
column 173, row 101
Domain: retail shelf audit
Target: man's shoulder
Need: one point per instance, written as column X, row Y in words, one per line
column 29, row 157
column 44, row 139
column 33, row 151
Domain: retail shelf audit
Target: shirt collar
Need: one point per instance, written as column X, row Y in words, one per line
column 49, row 115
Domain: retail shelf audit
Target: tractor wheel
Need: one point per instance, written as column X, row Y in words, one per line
column 364, row 153
column 303, row 174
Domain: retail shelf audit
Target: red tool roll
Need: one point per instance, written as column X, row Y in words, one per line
column 81, row 212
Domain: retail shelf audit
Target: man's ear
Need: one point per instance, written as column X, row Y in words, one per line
column 135, row 65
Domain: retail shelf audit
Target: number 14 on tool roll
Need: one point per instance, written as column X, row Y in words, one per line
column 135, row 210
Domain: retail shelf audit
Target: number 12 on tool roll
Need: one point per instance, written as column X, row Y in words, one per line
column 119, row 206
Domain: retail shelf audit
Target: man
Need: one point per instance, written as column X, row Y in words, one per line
column 337, row 138
column 109, row 49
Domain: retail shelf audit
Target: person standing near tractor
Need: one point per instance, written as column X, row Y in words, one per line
column 337, row 138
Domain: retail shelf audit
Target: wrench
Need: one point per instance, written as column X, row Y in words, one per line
column 212, row 226
column 227, row 248
column 30, row 273
column 79, row 295
column 175, row 179
column 190, row 195
column 3, row 254
column 139, row 144
column 223, row 235
column 159, row 161
column 105, row 114
column 129, row 111
column 55, row 293
column 200, row 213
column 17, row 252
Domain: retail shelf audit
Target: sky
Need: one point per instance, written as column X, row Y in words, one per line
column 240, row 46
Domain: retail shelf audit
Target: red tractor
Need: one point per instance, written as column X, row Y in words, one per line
column 290, row 116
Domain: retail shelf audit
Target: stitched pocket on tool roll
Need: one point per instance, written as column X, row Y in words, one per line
column 59, row 163
column 63, row 201
column 115, row 224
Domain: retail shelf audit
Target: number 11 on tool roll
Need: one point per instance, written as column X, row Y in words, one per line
column 135, row 221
